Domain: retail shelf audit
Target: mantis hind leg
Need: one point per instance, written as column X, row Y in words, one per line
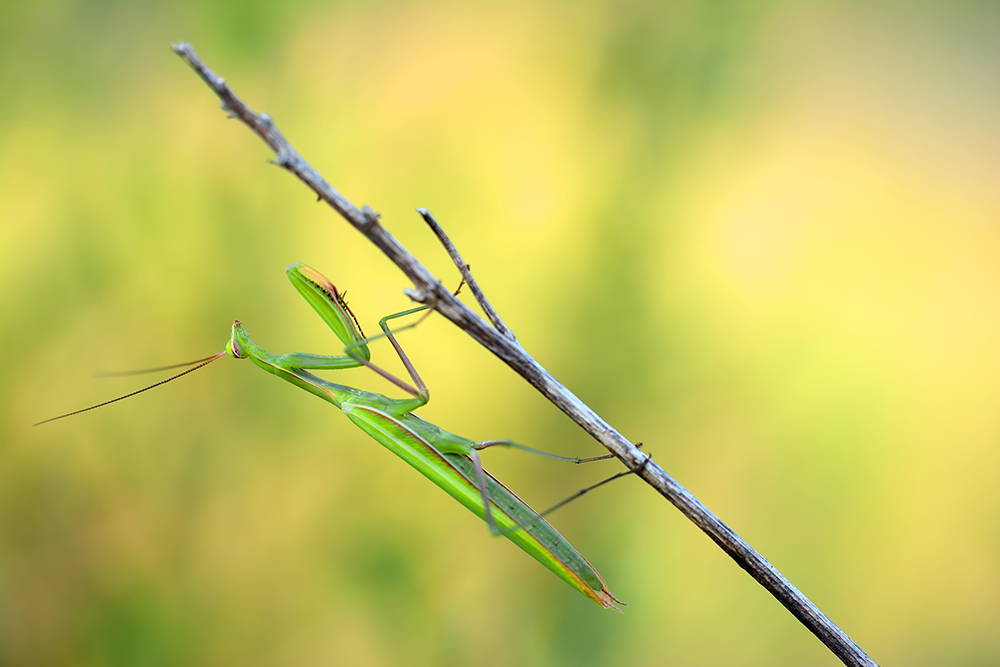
column 484, row 444
column 604, row 481
column 565, row 501
column 480, row 475
column 481, row 483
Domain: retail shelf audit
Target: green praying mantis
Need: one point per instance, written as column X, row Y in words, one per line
column 450, row 461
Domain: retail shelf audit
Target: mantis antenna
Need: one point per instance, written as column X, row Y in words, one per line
column 143, row 371
column 201, row 364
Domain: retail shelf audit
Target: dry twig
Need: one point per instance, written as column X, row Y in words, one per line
column 500, row 341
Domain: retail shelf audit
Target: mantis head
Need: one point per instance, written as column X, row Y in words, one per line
column 317, row 290
column 237, row 345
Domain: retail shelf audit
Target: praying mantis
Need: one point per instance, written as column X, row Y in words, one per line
column 450, row 461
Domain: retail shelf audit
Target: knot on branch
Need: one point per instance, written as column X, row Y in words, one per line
column 228, row 110
column 182, row 48
column 369, row 217
column 285, row 158
column 417, row 295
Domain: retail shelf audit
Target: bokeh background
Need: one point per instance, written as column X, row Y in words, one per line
column 762, row 238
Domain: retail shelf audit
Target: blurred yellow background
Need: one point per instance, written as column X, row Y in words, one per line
column 761, row 238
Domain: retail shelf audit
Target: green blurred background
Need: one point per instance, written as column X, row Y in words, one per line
column 762, row 238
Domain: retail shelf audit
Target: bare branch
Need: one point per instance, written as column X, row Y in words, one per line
column 429, row 289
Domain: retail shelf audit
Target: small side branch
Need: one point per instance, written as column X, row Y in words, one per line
column 498, row 340
column 466, row 272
